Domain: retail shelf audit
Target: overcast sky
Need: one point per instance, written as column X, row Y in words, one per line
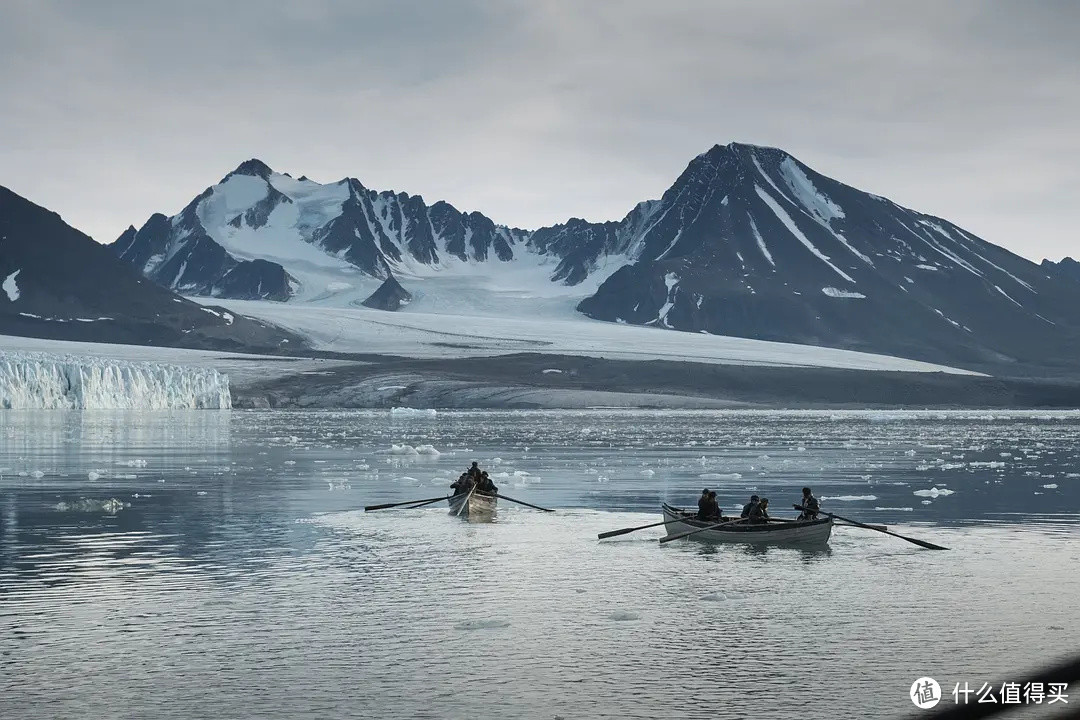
column 533, row 112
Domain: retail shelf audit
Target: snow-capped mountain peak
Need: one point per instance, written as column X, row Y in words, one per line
column 747, row 241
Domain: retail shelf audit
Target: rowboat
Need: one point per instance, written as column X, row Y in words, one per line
column 473, row 506
column 791, row 532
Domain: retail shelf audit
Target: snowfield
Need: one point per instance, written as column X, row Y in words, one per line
column 48, row 381
column 508, row 323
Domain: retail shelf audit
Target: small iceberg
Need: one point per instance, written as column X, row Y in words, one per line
column 934, row 492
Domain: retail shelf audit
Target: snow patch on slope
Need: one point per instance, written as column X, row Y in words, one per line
column 838, row 293
column 809, row 196
column 10, row 287
column 783, row 217
column 761, row 242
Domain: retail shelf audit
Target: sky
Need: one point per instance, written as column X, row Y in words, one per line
column 535, row 111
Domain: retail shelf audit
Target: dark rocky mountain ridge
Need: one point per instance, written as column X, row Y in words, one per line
column 747, row 242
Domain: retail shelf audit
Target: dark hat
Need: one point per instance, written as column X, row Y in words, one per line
column 712, row 493
column 705, row 491
column 754, row 497
column 806, row 491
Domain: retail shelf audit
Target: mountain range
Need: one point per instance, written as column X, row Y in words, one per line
column 56, row 282
column 747, row 242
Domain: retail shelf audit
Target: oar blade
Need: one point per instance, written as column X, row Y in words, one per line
column 914, row 541
column 522, row 502
column 923, row 543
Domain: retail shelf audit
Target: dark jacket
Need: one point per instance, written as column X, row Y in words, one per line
column 703, row 508
column 812, row 506
column 758, row 514
column 747, row 509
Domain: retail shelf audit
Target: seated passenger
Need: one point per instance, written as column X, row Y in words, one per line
column 474, row 471
column 462, row 485
column 714, row 507
column 703, row 505
column 749, row 506
column 485, row 485
column 759, row 513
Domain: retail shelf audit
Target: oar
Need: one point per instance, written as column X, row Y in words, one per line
column 613, row 533
column 520, row 502
column 789, row 520
column 920, row 543
column 669, row 538
column 384, row 506
column 428, row 502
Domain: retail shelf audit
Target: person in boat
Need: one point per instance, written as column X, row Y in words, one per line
column 714, row 507
column 748, row 507
column 484, row 485
column 703, row 505
column 474, row 471
column 463, row 484
column 759, row 513
column 811, row 504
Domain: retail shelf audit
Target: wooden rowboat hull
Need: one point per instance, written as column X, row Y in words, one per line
column 474, row 507
column 804, row 533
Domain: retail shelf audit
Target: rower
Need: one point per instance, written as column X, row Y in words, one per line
column 714, row 507
column 703, row 505
column 759, row 513
column 474, row 471
column 811, row 504
column 484, row 485
column 748, row 507
column 462, row 485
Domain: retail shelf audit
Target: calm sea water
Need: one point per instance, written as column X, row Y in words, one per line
column 208, row 564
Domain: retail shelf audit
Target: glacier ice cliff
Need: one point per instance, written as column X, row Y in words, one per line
column 47, row 381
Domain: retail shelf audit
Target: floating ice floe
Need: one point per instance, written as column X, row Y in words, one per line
column 720, row 476
column 895, row 509
column 850, row 498
column 934, row 492
column 413, row 412
column 1051, row 486
column 110, row 506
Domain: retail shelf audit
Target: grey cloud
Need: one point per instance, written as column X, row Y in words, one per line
column 536, row 111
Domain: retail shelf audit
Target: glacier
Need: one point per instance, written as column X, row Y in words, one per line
column 50, row 381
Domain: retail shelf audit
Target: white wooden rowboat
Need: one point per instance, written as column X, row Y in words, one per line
column 473, row 507
column 795, row 532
